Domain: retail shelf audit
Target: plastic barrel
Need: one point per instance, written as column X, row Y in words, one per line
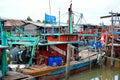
column 59, row 61
column 50, row 61
column 56, row 60
column 92, row 43
column 99, row 44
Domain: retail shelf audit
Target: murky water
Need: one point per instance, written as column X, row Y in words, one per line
column 97, row 74
column 103, row 73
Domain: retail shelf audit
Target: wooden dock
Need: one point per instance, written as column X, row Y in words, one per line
column 12, row 75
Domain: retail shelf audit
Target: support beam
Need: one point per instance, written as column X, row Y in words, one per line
column 3, row 46
column 112, row 50
column 68, row 62
column 111, row 15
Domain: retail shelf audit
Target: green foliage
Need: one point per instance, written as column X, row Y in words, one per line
column 38, row 21
column 29, row 19
column 44, row 21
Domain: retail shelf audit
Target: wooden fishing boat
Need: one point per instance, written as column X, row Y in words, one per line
column 52, row 50
column 87, row 60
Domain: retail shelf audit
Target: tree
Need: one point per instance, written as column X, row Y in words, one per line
column 44, row 21
column 38, row 21
column 29, row 19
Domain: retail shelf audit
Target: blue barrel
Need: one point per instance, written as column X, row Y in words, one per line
column 92, row 43
column 59, row 63
column 99, row 44
column 50, row 61
column 56, row 60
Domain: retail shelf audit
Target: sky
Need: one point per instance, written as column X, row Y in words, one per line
column 92, row 10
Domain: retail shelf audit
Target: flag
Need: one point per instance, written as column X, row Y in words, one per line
column 50, row 18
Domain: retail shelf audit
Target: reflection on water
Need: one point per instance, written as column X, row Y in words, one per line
column 114, row 78
column 97, row 74
column 103, row 73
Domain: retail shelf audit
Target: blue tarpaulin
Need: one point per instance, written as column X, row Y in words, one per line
column 50, row 18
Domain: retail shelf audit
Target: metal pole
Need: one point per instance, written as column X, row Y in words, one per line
column 33, row 52
column 112, row 50
column 95, row 43
column 68, row 62
column 70, row 19
column 4, row 65
column 71, row 29
column 59, row 24
column 59, row 20
column 49, row 7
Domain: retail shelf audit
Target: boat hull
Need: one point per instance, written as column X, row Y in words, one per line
column 59, row 74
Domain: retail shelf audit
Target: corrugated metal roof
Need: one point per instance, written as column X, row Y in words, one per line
column 9, row 23
column 12, row 22
column 46, row 25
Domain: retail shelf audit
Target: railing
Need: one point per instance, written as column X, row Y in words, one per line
column 58, row 50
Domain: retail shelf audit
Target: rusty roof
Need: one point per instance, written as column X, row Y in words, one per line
column 9, row 23
column 13, row 22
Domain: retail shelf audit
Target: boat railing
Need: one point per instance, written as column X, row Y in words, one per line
column 58, row 49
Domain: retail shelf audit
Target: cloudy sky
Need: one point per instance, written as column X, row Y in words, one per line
column 92, row 9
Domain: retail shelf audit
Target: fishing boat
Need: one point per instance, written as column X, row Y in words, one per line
column 112, row 35
column 56, row 49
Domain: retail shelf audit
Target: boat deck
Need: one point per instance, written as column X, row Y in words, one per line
column 43, row 70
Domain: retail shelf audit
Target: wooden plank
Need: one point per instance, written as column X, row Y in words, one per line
column 32, row 71
column 16, row 76
column 113, row 45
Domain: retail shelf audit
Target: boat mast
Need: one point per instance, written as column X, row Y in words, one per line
column 68, row 46
column 49, row 7
column 70, row 18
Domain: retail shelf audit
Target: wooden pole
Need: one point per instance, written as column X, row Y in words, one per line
column 68, row 62
column 90, row 62
column 68, row 45
column 112, row 50
column 95, row 44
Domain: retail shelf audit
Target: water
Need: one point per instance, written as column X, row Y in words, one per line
column 99, row 73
